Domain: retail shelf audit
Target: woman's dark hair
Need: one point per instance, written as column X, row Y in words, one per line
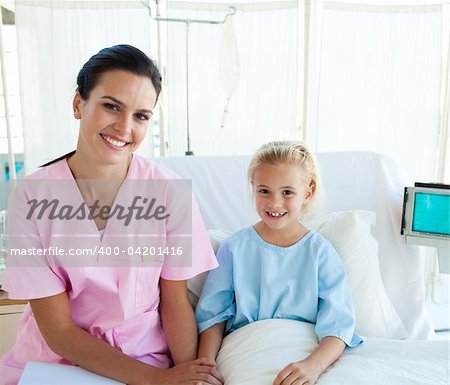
column 119, row 57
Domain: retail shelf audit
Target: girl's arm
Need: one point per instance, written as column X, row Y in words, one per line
column 210, row 341
column 69, row 341
column 309, row 369
column 178, row 320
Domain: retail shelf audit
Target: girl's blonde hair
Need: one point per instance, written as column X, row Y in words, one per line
column 294, row 153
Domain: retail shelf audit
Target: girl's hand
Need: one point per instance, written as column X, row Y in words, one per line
column 305, row 372
column 198, row 372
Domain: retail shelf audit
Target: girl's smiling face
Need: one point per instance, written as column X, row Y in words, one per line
column 115, row 117
column 280, row 193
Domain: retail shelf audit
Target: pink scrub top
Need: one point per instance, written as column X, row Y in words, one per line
column 114, row 294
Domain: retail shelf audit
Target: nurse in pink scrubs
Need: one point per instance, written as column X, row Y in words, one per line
column 102, row 242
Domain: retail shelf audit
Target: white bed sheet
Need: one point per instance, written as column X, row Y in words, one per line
column 41, row 373
column 352, row 181
column 254, row 354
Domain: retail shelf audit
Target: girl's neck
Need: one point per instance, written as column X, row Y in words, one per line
column 282, row 237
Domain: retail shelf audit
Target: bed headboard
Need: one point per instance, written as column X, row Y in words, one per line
column 352, row 180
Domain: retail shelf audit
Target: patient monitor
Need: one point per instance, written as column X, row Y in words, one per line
column 426, row 219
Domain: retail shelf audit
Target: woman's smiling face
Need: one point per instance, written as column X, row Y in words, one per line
column 115, row 117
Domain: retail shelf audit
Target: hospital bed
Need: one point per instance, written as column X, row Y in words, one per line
column 361, row 217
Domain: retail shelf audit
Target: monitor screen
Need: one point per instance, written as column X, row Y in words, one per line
column 431, row 213
column 426, row 212
column 426, row 219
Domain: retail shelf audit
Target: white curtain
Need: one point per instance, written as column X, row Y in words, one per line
column 252, row 59
column 55, row 38
column 370, row 75
column 443, row 164
column 11, row 74
column 378, row 82
column 367, row 76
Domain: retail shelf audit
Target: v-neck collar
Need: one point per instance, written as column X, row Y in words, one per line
column 101, row 233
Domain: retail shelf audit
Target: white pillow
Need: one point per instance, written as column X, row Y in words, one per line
column 350, row 234
column 195, row 284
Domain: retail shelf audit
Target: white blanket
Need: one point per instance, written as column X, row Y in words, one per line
column 254, row 354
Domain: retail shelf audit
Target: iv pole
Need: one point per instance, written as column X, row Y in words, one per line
column 187, row 23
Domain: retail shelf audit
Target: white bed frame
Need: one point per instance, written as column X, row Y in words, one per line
column 255, row 353
column 352, row 181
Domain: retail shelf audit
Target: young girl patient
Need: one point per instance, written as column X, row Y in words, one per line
column 278, row 268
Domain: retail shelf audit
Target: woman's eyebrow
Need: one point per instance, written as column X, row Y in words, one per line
column 123, row 104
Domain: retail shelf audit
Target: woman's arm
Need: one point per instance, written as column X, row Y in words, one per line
column 66, row 339
column 178, row 320
column 309, row 369
column 210, row 341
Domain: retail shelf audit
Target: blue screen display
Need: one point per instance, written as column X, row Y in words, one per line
column 431, row 213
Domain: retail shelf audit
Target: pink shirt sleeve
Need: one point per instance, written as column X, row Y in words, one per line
column 27, row 275
column 198, row 255
column 186, row 237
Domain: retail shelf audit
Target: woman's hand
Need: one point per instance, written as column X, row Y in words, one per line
column 305, row 372
column 68, row 340
column 198, row 372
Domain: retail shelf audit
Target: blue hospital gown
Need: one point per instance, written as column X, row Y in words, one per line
column 257, row 280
